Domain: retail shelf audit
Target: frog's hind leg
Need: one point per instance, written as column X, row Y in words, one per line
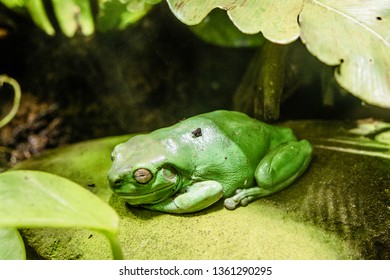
column 277, row 170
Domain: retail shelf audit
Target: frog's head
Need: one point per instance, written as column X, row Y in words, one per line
column 141, row 172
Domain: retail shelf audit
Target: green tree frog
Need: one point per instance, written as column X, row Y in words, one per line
column 191, row 165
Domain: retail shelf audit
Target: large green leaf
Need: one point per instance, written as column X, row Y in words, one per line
column 11, row 245
column 38, row 199
column 277, row 20
column 356, row 35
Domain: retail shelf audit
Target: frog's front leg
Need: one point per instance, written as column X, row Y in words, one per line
column 193, row 198
column 277, row 170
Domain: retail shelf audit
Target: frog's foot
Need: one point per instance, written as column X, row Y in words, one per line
column 195, row 197
column 244, row 196
column 232, row 202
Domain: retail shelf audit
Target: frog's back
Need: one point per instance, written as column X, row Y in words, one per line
column 249, row 132
column 222, row 145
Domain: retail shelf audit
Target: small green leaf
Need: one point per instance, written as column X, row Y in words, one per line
column 11, row 245
column 73, row 16
column 38, row 14
column 38, row 199
column 121, row 13
column 12, row 4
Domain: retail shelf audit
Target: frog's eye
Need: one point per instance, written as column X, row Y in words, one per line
column 142, row 175
column 169, row 173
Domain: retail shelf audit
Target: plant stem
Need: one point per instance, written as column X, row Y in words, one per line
column 260, row 90
column 271, row 80
column 17, row 96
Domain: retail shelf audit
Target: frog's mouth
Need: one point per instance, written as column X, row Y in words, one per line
column 153, row 197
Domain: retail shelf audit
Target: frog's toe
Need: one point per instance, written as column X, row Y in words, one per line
column 230, row 203
column 238, row 191
column 245, row 201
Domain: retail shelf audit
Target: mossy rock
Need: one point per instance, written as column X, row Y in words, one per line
column 337, row 210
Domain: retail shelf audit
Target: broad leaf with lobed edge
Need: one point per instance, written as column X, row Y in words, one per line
column 352, row 34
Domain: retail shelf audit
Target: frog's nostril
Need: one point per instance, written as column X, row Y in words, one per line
column 115, row 183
